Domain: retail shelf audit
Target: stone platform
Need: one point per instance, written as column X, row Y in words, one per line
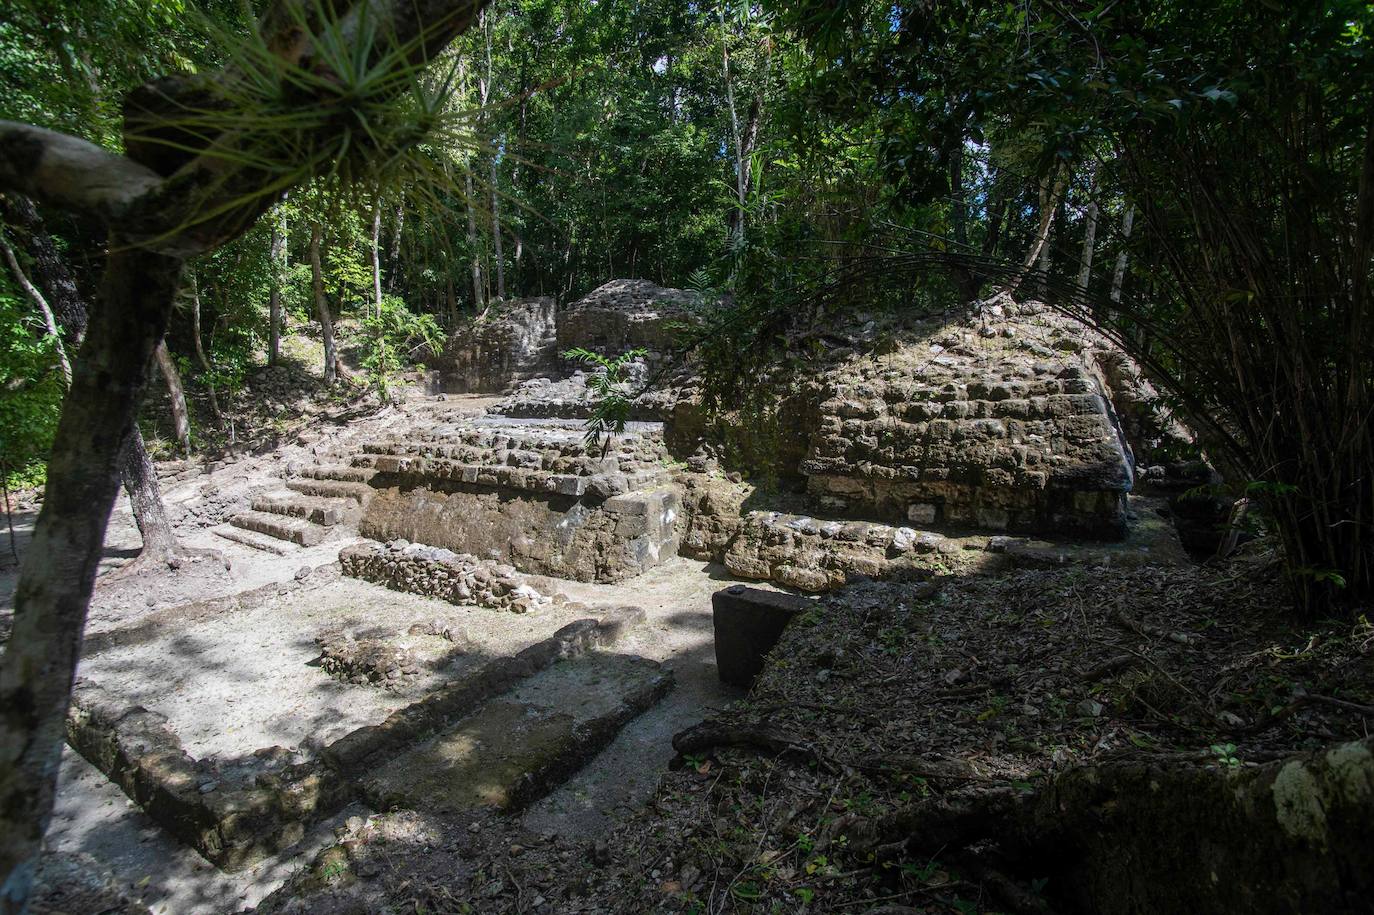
column 244, row 724
column 538, row 497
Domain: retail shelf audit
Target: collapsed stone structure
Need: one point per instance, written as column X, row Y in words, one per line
column 1006, row 427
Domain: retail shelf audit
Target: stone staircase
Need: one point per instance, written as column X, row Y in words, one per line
column 305, row 514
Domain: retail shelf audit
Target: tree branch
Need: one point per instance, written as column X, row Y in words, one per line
column 70, row 173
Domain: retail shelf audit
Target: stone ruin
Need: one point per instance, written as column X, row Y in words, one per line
column 510, row 342
column 1006, row 420
column 426, row 667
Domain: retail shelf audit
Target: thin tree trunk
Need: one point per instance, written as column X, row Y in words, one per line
column 741, row 173
column 498, row 266
column 377, row 257
column 277, row 253
column 145, row 498
column 497, row 253
column 478, row 302
column 394, row 254
column 204, row 360
column 181, row 417
column 1085, row 261
column 1038, row 252
column 1119, row 274
column 322, row 306
column 379, row 373
column 49, row 320
column 58, row 572
column 50, row 270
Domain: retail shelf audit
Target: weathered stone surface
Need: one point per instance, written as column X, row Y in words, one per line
column 538, row 497
column 623, row 315
column 748, row 622
column 515, row 749
column 233, row 820
column 1011, row 430
column 356, row 751
column 511, row 342
column 811, row 554
column 458, row 578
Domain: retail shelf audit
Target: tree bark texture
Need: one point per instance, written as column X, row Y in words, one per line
column 59, row 568
column 181, row 417
column 145, row 498
column 201, row 357
column 322, row 307
column 277, row 253
column 160, row 210
column 41, row 303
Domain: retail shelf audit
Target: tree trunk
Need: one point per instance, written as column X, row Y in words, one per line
column 478, row 301
column 497, row 254
column 379, row 371
column 59, row 568
column 741, row 172
column 1119, row 274
column 50, row 270
column 1085, row 262
column 377, row 257
column 196, row 338
column 181, row 417
column 277, row 252
column 1039, row 252
column 322, row 307
column 49, row 320
column 394, row 255
column 497, row 265
column 145, row 498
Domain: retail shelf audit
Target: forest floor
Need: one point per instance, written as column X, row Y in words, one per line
column 886, row 692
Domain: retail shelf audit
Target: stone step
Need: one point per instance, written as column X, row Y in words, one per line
column 340, row 472
column 283, row 528
column 315, row 509
column 254, row 540
column 330, row 489
column 518, row 748
column 366, row 748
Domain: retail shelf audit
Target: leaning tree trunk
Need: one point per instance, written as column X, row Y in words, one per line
column 58, row 572
column 322, row 307
column 181, row 417
column 145, row 498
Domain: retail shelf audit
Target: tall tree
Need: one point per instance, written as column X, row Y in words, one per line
column 163, row 203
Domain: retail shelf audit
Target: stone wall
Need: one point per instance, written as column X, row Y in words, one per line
column 513, row 341
column 459, row 578
column 539, row 498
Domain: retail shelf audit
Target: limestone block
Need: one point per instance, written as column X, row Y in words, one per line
column 748, row 622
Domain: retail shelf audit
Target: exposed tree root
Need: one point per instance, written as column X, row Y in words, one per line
column 1291, row 836
column 709, row 734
